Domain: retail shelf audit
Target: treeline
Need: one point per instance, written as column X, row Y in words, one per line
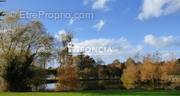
column 83, row 72
column 26, row 48
column 86, row 74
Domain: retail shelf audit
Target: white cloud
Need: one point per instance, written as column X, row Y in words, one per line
column 99, row 25
column 121, row 48
column 100, row 4
column 156, row 8
column 163, row 41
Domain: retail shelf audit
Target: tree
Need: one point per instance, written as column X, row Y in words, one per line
column 38, row 79
column 68, row 78
column 67, row 71
column 2, row 85
column 118, row 65
column 177, row 67
column 167, row 69
column 115, row 69
column 21, row 45
column 63, row 52
column 2, row 82
column 87, row 71
column 87, row 66
column 130, row 74
column 149, row 72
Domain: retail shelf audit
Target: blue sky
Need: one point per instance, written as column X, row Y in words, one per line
column 137, row 25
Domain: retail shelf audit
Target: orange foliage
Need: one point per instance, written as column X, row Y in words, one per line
column 130, row 75
column 68, row 78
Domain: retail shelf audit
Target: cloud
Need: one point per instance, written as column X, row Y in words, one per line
column 163, row 41
column 120, row 48
column 100, row 4
column 157, row 8
column 99, row 25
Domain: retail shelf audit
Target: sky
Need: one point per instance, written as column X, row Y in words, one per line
column 129, row 27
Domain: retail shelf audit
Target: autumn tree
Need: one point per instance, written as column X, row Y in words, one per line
column 167, row 69
column 130, row 74
column 149, row 72
column 67, row 70
column 21, row 44
column 2, row 83
column 67, row 78
column 177, row 67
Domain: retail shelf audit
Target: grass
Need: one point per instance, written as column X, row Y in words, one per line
column 97, row 93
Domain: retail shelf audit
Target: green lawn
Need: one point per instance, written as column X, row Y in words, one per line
column 98, row 93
